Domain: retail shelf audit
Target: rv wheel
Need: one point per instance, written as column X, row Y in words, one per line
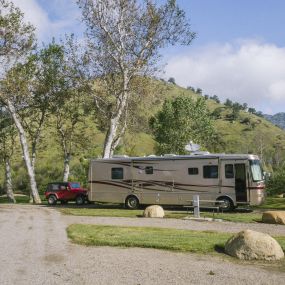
column 132, row 202
column 227, row 204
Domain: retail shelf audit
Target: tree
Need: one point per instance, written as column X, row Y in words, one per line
column 251, row 110
column 66, row 96
column 199, row 91
column 124, row 38
column 172, row 80
column 216, row 99
column 7, row 142
column 180, row 121
column 228, row 103
column 17, row 40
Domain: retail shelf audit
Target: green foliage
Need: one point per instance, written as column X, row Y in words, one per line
column 276, row 183
column 180, row 121
column 16, row 37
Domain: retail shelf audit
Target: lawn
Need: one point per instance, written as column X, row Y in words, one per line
column 146, row 237
column 21, row 199
column 115, row 211
column 272, row 203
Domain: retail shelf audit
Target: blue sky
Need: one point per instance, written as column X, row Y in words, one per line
column 239, row 52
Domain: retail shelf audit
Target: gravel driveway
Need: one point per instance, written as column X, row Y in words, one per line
column 35, row 250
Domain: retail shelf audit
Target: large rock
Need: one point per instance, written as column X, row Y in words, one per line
column 153, row 211
column 250, row 245
column 274, row 217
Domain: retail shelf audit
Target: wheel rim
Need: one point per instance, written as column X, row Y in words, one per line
column 132, row 202
column 79, row 200
column 226, row 205
column 51, row 200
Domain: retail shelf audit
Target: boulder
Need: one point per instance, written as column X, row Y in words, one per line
column 153, row 211
column 274, row 217
column 249, row 245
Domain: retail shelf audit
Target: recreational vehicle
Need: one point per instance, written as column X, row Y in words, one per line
column 236, row 179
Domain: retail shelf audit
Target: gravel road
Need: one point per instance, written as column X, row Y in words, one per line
column 35, row 250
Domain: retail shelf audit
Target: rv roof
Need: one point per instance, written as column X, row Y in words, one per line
column 181, row 157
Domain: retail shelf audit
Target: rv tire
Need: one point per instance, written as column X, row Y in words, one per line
column 228, row 204
column 132, row 202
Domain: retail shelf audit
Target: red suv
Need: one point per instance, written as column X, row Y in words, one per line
column 64, row 192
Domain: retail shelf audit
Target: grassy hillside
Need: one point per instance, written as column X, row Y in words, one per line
column 246, row 134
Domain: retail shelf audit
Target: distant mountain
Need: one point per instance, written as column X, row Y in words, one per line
column 277, row 119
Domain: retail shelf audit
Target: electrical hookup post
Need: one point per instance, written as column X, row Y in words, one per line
column 196, row 205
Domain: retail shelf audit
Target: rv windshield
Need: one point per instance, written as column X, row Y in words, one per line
column 256, row 170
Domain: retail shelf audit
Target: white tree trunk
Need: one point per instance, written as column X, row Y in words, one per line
column 25, row 150
column 110, row 136
column 8, row 176
column 33, row 166
column 66, row 169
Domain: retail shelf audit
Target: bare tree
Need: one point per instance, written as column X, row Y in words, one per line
column 124, row 39
column 17, row 40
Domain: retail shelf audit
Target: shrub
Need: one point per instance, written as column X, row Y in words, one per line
column 276, row 183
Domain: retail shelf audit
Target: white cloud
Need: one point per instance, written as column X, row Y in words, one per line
column 244, row 71
column 52, row 19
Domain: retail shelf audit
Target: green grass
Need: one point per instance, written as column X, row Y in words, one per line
column 250, row 217
column 167, row 239
column 114, row 211
column 22, row 199
column 19, row 199
column 273, row 203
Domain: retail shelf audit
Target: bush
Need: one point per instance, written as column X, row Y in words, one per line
column 276, row 183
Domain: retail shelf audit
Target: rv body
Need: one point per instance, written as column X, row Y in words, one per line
column 173, row 180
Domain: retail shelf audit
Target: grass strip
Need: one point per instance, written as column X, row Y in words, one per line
column 110, row 212
column 272, row 203
column 149, row 237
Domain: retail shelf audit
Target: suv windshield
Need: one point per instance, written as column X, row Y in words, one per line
column 75, row 185
column 256, row 170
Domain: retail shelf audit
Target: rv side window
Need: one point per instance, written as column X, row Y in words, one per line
column 149, row 170
column 117, row 173
column 210, row 171
column 193, row 171
column 229, row 171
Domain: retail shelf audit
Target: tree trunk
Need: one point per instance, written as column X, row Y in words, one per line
column 9, row 187
column 25, row 149
column 66, row 169
column 110, row 136
column 33, row 166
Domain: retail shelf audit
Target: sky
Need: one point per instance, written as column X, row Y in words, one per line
column 239, row 51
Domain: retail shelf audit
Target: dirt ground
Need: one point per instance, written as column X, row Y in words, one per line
column 35, row 250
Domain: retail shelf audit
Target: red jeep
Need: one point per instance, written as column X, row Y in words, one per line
column 64, row 192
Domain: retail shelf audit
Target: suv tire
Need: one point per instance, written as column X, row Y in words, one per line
column 79, row 200
column 52, row 200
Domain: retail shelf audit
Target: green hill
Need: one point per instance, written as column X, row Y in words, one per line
column 246, row 133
